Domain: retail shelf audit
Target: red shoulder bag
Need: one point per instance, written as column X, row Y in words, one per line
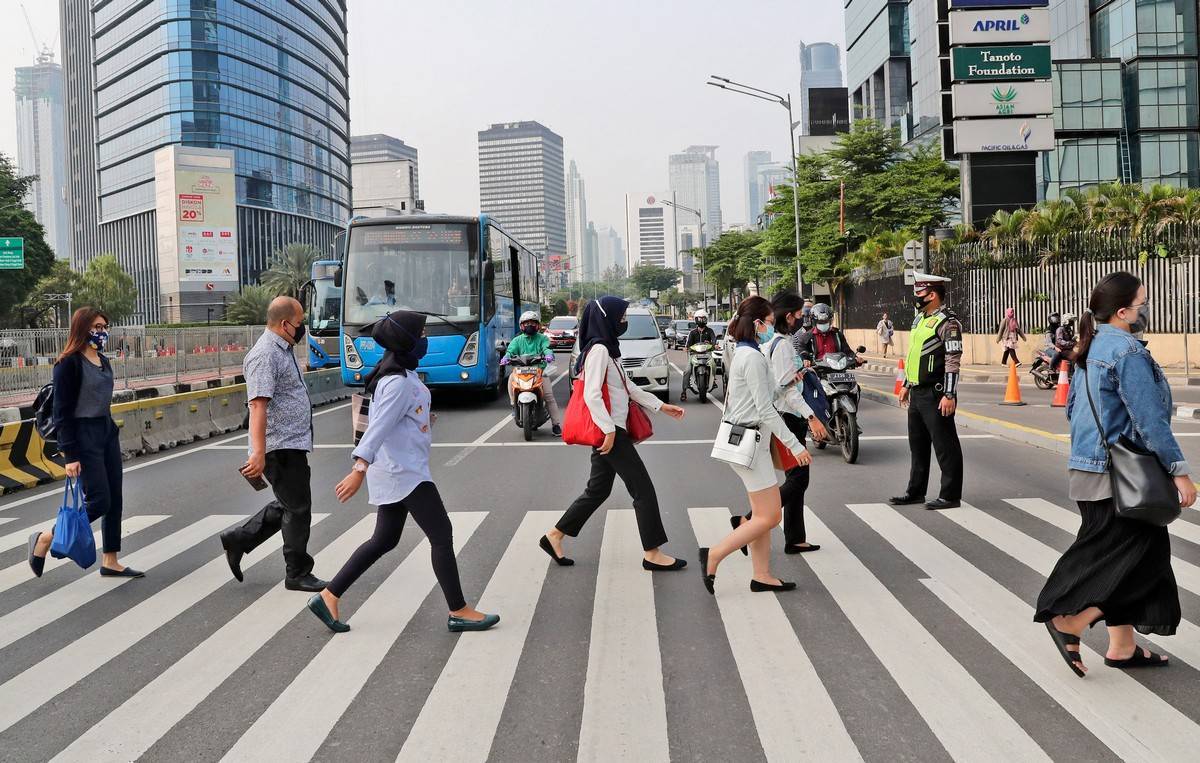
column 580, row 429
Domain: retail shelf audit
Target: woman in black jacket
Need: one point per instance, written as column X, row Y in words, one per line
column 87, row 437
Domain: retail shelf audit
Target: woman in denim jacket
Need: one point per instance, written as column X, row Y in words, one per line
column 1117, row 570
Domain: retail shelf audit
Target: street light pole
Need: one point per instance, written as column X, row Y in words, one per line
column 703, row 248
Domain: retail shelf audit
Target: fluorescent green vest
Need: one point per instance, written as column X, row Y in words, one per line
column 924, row 329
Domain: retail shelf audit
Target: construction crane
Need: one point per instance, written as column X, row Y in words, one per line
column 45, row 53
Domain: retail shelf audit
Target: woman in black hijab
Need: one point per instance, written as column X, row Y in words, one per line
column 602, row 324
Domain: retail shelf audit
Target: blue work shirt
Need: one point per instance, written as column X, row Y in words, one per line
column 397, row 441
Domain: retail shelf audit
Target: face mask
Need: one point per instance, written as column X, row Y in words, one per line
column 529, row 330
column 919, row 302
column 98, row 339
column 765, row 335
column 701, row 322
column 298, row 334
column 1138, row 326
column 420, row 348
column 622, row 327
column 824, row 327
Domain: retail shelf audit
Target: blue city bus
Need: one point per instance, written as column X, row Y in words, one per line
column 324, row 310
column 470, row 277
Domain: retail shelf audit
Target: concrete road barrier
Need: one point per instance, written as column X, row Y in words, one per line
column 22, row 461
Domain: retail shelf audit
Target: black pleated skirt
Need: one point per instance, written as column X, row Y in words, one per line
column 1121, row 566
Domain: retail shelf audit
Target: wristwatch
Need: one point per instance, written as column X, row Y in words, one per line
column 360, row 466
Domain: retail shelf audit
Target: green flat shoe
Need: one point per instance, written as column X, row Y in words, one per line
column 458, row 624
column 316, row 605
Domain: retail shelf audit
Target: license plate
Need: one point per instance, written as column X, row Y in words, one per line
column 835, row 378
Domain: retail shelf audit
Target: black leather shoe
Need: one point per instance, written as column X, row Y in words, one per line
column 232, row 555
column 309, row 582
column 784, row 585
column 709, row 580
column 649, row 566
column 36, row 563
column 906, row 499
column 941, row 503
column 128, row 572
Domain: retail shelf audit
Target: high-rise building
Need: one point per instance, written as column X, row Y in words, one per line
column 820, row 67
column 260, row 90
column 877, row 59
column 384, row 176
column 591, row 254
column 695, row 178
column 577, row 223
column 521, row 184
column 42, row 147
column 754, row 199
column 771, row 177
column 610, row 248
column 651, row 230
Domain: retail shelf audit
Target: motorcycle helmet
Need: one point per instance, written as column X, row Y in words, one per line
column 529, row 315
column 1054, row 319
column 1068, row 318
column 701, row 318
column 822, row 316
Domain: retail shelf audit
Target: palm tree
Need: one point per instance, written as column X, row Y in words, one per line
column 250, row 308
column 1048, row 224
column 1184, row 211
column 1004, row 229
column 289, row 269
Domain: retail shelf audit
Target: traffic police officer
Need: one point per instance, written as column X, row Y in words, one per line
column 930, row 393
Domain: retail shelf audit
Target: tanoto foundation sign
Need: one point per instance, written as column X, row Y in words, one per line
column 1001, row 62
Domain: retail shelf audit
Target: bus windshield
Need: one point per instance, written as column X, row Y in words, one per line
column 324, row 313
column 425, row 267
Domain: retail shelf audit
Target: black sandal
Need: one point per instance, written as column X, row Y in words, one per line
column 1141, row 658
column 736, row 521
column 1062, row 641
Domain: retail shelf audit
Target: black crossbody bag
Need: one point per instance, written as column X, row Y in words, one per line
column 1142, row 489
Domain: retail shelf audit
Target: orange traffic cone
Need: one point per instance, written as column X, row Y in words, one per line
column 1012, row 393
column 899, row 378
column 1064, row 386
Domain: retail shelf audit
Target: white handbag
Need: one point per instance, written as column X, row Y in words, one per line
column 736, row 444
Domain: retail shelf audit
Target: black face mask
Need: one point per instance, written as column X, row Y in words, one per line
column 622, row 327
column 529, row 330
column 1138, row 327
column 298, row 334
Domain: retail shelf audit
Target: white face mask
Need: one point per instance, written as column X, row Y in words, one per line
column 823, row 327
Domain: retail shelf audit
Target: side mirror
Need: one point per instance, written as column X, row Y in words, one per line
column 501, row 346
column 860, row 349
column 306, row 293
column 337, row 276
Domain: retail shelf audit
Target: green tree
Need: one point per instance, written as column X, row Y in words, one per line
column 17, row 221
column 250, row 307
column 647, row 277
column 1004, row 228
column 1049, row 225
column 106, row 285
column 37, row 311
column 728, row 260
column 289, row 269
column 1184, row 211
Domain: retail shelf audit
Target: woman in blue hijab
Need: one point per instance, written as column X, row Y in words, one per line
column 600, row 328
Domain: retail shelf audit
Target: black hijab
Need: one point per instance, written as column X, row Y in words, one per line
column 601, row 324
column 399, row 334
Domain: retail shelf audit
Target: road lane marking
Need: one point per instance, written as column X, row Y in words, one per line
column 475, row 681
column 784, row 690
column 134, row 727
column 973, row 722
column 1131, row 720
column 624, row 705
column 1041, row 558
column 298, row 721
column 6, row 520
column 483, row 438
column 20, row 573
column 21, row 537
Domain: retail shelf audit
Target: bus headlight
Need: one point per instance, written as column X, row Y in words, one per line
column 350, row 355
column 470, row 354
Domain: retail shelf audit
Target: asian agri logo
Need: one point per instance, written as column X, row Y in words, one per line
column 1004, row 100
column 1001, row 25
column 206, row 185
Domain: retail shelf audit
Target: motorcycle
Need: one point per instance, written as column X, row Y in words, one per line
column 704, row 377
column 1045, row 377
column 843, row 393
column 527, row 374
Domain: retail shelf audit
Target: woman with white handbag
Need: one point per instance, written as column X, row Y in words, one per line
column 744, row 442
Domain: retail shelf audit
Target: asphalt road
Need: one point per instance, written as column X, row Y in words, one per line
column 910, row 637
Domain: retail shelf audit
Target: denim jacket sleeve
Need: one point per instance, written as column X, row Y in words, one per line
column 1137, row 381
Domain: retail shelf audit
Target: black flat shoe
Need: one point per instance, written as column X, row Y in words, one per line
column 709, row 580
column 128, row 572
column 650, row 566
column 906, row 499
column 36, row 563
column 561, row 561
column 735, row 522
column 801, row 549
column 317, row 606
column 1141, row 658
column 941, row 503
column 310, row 583
column 784, row 585
column 232, row 555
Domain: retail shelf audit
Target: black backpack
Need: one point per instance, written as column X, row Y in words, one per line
column 43, row 415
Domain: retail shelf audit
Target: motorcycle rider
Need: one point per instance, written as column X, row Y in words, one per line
column 700, row 334
column 824, row 337
column 1064, row 342
column 1053, row 321
column 532, row 342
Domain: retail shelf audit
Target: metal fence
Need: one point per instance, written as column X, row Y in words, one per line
column 138, row 355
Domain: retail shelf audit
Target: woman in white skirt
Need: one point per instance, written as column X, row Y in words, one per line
column 749, row 402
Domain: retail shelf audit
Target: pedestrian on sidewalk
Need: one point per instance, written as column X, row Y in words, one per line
column 886, row 331
column 1010, row 336
column 1118, row 570
column 749, row 402
column 88, row 438
column 602, row 324
column 280, row 440
column 393, row 457
column 799, row 416
column 930, row 393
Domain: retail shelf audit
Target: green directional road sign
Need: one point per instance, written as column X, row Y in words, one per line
column 1001, row 62
column 12, row 253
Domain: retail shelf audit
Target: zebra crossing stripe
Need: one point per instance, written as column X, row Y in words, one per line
column 1132, row 721
column 19, row 573
column 972, row 725
column 18, row 538
column 1041, row 558
column 130, row 730
column 60, row 671
column 62, row 601
column 6, row 520
column 784, row 690
column 297, row 722
column 624, row 705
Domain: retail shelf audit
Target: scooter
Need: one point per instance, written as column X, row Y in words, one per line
column 704, row 377
column 843, row 393
column 530, row 411
column 1044, row 376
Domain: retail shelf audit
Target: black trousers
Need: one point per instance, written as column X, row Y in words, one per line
column 425, row 505
column 290, row 512
column 1009, row 352
column 100, row 476
column 927, row 426
column 791, row 492
column 622, row 460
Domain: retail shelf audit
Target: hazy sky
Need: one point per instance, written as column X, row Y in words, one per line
column 621, row 81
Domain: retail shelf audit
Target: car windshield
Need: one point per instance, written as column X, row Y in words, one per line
column 718, row 329
column 563, row 322
column 683, row 325
column 641, row 326
column 324, row 313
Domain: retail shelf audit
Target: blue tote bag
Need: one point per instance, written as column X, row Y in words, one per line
column 72, row 531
